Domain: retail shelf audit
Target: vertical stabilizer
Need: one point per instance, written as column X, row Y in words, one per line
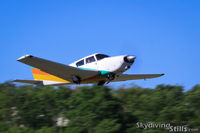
column 40, row 75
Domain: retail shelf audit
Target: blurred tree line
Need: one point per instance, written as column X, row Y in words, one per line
column 96, row 109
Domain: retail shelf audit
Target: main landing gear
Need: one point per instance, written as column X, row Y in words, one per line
column 111, row 76
column 101, row 83
column 76, row 79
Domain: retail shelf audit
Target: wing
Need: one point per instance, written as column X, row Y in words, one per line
column 125, row 77
column 60, row 70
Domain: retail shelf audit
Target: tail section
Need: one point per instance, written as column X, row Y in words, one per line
column 40, row 75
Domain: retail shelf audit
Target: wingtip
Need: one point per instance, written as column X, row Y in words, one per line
column 23, row 57
column 162, row 74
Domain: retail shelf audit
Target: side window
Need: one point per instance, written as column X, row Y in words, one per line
column 90, row 59
column 80, row 63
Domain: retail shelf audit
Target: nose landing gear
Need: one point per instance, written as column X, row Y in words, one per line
column 109, row 77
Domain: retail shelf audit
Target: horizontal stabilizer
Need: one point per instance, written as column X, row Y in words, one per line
column 37, row 82
column 125, row 77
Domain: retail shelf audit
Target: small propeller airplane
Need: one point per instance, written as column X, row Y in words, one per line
column 95, row 68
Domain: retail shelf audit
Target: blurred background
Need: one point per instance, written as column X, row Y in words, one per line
column 98, row 109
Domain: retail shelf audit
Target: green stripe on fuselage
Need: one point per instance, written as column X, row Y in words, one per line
column 102, row 72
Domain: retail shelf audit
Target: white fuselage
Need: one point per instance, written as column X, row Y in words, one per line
column 116, row 64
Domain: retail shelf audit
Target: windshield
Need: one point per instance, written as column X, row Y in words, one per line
column 101, row 56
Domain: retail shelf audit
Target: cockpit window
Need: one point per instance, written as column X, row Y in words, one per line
column 101, row 56
column 80, row 63
column 90, row 59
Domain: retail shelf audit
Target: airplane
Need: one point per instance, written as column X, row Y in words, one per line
column 95, row 68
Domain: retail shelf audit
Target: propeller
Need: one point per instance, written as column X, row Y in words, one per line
column 129, row 58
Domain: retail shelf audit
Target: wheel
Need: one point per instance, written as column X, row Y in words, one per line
column 76, row 79
column 111, row 76
column 101, row 83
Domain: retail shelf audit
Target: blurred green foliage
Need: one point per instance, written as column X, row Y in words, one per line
column 96, row 109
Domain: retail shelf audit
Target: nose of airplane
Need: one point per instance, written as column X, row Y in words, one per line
column 129, row 58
